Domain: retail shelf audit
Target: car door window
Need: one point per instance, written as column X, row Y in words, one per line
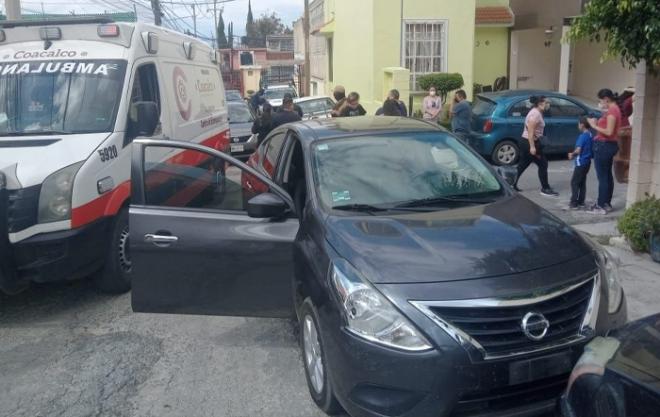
column 560, row 107
column 192, row 179
column 272, row 152
column 520, row 109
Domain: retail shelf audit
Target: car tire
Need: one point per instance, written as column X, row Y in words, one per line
column 315, row 360
column 506, row 152
column 115, row 278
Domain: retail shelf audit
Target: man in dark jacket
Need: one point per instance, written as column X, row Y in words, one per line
column 287, row 114
column 352, row 107
column 401, row 106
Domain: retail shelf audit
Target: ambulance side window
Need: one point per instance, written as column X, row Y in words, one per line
column 145, row 88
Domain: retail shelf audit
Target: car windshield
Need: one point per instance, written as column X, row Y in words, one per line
column 314, row 106
column 483, row 107
column 278, row 93
column 233, row 95
column 393, row 170
column 240, row 114
column 52, row 97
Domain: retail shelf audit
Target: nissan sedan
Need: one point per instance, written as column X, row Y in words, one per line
column 422, row 284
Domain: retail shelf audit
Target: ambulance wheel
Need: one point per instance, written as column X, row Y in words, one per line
column 115, row 278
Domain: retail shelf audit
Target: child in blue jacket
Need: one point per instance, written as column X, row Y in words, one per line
column 582, row 155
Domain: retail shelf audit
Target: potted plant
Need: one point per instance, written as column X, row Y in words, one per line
column 640, row 224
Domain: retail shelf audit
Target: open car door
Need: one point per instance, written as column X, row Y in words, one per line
column 194, row 248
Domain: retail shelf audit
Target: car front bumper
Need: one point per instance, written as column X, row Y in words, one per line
column 55, row 256
column 375, row 381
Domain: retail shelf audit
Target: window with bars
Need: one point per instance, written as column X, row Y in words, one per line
column 423, row 49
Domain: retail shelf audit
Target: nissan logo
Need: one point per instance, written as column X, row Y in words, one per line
column 535, row 326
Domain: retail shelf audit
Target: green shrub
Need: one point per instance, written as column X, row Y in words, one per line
column 443, row 82
column 639, row 221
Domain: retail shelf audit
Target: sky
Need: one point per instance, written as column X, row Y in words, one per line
column 234, row 11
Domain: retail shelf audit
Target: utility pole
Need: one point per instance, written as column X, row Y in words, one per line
column 215, row 23
column 194, row 20
column 308, row 69
column 13, row 8
column 155, row 6
column 134, row 11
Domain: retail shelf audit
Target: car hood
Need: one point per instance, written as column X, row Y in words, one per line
column 239, row 130
column 510, row 236
column 27, row 160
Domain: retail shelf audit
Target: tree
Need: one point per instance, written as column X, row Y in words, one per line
column 230, row 35
column 222, row 39
column 249, row 26
column 630, row 29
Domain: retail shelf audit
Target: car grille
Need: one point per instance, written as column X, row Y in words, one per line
column 502, row 399
column 22, row 208
column 497, row 331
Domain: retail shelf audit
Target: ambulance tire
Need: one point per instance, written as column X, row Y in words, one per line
column 115, row 276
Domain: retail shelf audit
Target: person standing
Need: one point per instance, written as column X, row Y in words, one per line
column 531, row 146
column 287, row 114
column 393, row 95
column 296, row 107
column 605, row 148
column 352, row 107
column 582, row 155
column 390, row 108
column 257, row 100
column 264, row 123
column 340, row 99
column 461, row 115
column 432, row 106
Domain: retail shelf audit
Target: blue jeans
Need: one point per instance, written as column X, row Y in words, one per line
column 603, row 160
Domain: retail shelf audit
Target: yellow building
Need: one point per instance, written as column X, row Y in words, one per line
column 375, row 45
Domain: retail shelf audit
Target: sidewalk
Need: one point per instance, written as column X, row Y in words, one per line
column 640, row 276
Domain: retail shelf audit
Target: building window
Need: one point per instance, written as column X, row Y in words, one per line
column 424, row 49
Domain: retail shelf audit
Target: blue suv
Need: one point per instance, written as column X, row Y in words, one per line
column 499, row 119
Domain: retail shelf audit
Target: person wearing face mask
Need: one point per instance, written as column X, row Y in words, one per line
column 531, row 146
column 432, row 106
column 340, row 99
column 605, row 147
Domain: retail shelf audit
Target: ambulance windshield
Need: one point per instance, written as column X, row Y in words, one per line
column 59, row 97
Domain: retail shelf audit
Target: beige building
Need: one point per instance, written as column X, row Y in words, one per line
column 540, row 59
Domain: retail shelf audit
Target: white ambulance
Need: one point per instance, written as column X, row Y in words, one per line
column 73, row 96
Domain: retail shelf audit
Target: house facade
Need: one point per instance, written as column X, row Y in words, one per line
column 540, row 57
column 493, row 20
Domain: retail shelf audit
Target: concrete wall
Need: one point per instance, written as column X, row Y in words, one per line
column 543, row 13
column 645, row 149
column 589, row 75
column 491, row 50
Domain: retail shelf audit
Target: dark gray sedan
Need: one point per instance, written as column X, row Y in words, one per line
column 241, row 118
column 422, row 283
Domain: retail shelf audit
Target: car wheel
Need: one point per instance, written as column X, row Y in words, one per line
column 505, row 153
column 315, row 360
column 114, row 278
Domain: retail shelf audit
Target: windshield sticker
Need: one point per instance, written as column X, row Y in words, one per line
column 92, row 68
column 339, row 196
column 323, row 147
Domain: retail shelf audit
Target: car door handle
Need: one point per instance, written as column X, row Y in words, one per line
column 160, row 240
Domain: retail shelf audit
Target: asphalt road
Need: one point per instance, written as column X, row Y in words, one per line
column 67, row 350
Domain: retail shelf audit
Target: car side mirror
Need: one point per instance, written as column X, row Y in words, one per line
column 144, row 117
column 266, row 206
column 508, row 173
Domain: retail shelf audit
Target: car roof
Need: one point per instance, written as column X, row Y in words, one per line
column 507, row 95
column 312, row 130
column 278, row 87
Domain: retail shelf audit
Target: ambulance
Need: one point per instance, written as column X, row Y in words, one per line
column 74, row 94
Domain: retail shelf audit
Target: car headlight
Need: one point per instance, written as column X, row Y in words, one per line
column 371, row 316
column 609, row 270
column 55, row 195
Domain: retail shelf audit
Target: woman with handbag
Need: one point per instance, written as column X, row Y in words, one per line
column 531, row 145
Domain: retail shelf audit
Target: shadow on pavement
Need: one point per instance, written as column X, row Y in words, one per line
column 51, row 299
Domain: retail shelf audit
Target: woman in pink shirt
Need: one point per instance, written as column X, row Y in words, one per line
column 531, row 149
column 605, row 148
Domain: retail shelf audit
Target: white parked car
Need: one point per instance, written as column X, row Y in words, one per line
column 318, row 107
column 274, row 94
